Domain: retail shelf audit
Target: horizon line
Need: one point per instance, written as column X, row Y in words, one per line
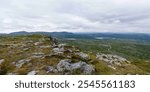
column 78, row 32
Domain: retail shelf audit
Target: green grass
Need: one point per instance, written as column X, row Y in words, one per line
column 12, row 50
column 136, row 51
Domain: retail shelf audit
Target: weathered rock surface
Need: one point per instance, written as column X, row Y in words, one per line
column 83, row 55
column 51, row 69
column 32, row 73
column 20, row 63
column 82, row 67
column 112, row 59
column 2, row 60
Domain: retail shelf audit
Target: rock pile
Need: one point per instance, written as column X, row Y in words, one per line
column 112, row 59
column 66, row 66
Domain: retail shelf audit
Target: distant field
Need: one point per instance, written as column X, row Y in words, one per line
column 134, row 50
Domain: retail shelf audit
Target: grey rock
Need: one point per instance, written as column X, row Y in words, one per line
column 32, row 73
column 84, row 67
column 20, row 63
column 2, row 60
column 112, row 59
column 88, row 69
column 83, row 55
column 51, row 69
column 66, row 65
column 11, row 73
column 61, row 45
column 45, row 47
column 25, row 49
column 58, row 50
column 37, row 43
column 38, row 55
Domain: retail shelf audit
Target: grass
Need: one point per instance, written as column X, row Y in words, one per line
column 15, row 48
column 138, row 52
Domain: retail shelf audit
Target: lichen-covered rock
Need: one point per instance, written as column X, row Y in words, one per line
column 51, row 69
column 32, row 73
column 64, row 65
column 20, row 63
column 112, row 59
column 58, row 50
column 68, row 67
column 83, row 55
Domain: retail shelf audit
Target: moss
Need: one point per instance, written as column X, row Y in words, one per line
column 6, row 67
column 23, row 71
column 76, row 72
column 102, row 68
column 144, row 65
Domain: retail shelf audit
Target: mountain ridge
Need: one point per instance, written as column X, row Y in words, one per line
column 128, row 36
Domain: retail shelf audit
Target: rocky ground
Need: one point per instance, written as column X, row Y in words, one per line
column 42, row 55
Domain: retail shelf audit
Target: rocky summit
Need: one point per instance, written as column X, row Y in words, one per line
column 44, row 55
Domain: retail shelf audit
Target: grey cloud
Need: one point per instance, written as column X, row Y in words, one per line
column 75, row 15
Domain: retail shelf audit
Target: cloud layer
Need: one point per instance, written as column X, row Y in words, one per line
column 75, row 15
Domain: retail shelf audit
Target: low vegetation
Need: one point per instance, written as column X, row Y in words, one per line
column 40, row 54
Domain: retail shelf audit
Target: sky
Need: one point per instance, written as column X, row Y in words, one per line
column 75, row 16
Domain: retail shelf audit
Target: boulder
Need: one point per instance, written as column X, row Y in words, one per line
column 82, row 55
column 112, row 59
column 64, row 65
column 68, row 67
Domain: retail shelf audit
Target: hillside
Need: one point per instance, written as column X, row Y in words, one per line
column 44, row 55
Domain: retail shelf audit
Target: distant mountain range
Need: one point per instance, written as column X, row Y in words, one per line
column 131, row 36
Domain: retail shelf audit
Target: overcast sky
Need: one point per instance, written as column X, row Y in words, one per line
column 75, row 15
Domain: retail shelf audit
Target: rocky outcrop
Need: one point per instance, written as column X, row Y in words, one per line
column 112, row 59
column 82, row 67
column 66, row 66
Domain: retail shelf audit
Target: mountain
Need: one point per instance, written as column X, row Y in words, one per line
column 61, row 35
column 20, row 33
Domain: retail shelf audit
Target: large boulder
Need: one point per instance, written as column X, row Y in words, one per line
column 67, row 66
